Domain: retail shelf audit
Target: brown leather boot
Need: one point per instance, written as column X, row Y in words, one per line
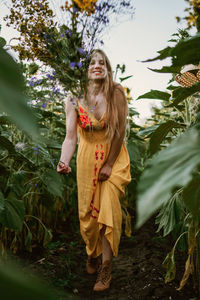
column 92, row 265
column 104, row 277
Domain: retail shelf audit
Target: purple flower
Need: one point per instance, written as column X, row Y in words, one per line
column 35, row 184
column 40, row 5
column 44, row 105
column 20, row 146
column 31, row 83
column 75, row 9
column 105, row 20
column 62, row 35
column 50, row 76
column 79, row 64
column 72, row 65
column 81, row 51
column 88, row 55
column 35, row 149
column 98, row 7
column 39, row 81
column 56, row 90
column 68, row 32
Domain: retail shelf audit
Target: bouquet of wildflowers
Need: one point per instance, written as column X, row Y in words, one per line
column 62, row 37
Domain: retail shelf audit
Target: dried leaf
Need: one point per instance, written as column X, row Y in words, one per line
column 191, row 240
column 128, row 230
column 188, row 271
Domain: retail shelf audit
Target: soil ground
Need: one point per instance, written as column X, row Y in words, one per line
column 137, row 271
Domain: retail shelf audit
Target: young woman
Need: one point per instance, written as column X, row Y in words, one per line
column 103, row 166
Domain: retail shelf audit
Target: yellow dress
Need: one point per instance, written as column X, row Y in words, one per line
column 98, row 202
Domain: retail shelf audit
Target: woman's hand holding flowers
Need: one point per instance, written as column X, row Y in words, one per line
column 63, row 168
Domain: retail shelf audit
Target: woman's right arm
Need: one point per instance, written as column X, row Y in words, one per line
column 70, row 141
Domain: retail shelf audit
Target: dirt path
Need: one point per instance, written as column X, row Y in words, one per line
column 137, row 271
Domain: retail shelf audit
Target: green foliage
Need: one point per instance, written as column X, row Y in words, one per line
column 15, row 284
column 191, row 197
column 171, row 214
column 169, row 169
column 179, row 94
column 170, row 181
column 185, row 52
column 53, row 182
column 12, row 212
column 2, row 42
column 11, row 84
column 155, row 94
column 160, row 133
column 169, row 265
column 34, row 197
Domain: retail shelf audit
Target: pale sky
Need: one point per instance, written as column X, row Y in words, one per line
column 132, row 42
column 139, row 39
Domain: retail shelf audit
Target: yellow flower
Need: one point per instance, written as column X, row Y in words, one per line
column 86, row 5
column 127, row 92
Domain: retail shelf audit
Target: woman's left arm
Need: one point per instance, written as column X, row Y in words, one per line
column 117, row 140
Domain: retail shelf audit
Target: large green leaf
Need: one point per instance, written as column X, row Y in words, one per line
column 147, row 132
column 191, row 197
column 11, row 99
column 155, row 94
column 12, row 213
column 136, row 150
column 10, row 72
column 167, row 69
column 2, row 42
column 164, row 53
column 181, row 93
column 15, row 284
column 53, row 182
column 185, row 52
column 17, row 182
column 169, row 169
column 170, row 214
column 160, row 133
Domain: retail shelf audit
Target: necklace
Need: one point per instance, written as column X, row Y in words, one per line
column 92, row 108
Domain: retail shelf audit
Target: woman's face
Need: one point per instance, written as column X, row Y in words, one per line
column 97, row 68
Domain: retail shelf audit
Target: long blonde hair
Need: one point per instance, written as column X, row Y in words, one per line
column 109, row 89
